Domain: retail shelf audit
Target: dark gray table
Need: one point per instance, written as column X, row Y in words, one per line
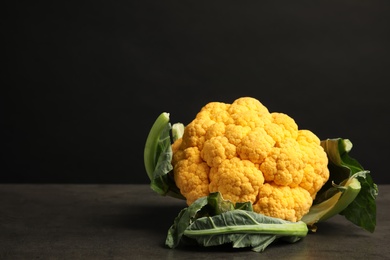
column 131, row 222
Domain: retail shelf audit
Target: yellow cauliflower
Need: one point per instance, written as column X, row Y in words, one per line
column 249, row 154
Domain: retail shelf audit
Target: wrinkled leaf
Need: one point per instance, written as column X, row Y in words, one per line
column 211, row 221
column 158, row 156
column 243, row 229
column 182, row 221
column 350, row 190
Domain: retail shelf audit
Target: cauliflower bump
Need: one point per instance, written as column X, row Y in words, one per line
column 249, row 154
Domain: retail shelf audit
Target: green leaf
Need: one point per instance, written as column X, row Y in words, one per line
column 182, row 221
column 350, row 190
column 152, row 148
column 217, row 204
column 244, row 206
column 362, row 210
column 334, row 205
column 210, row 205
column 211, row 220
column 159, row 182
column 158, row 156
column 243, row 229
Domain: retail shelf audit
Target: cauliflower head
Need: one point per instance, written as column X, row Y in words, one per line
column 249, row 154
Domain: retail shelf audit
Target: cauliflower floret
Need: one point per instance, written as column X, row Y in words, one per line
column 283, row 202
column 236, row 179
column 194, row 134
column 255, row 146
column 249, row 154
column 248, row 118
column 235, row 133
column 217, row 129
column 192, row 175
column 284, row 165
column 216, row 150
column 290, row 128
column 215, row 111
column 247, row 104
column 316, row 172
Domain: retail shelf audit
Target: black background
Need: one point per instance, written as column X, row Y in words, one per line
column 83, row 82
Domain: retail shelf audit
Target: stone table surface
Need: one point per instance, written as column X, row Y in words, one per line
column 130, row 221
